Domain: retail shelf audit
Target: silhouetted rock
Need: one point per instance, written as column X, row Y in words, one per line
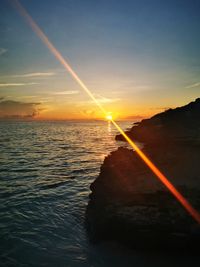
column 129, row 204
column 174, row 125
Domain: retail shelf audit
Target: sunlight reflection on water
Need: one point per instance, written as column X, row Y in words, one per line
column 46, row 170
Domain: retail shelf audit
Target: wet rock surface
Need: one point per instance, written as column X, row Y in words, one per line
column 129, row 204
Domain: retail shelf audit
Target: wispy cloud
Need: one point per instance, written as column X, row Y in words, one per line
column 100, row 99
column 15, row 84
column 3, row 51
column 27, row 97
column 105, row 100
column 193, row 85
column 34, row 74
column 66, row 93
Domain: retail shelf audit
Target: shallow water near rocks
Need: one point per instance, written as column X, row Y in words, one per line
column 45, row 173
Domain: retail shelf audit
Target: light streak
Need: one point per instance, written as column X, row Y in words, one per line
column 188, row 207
column 193, row 212
column 54, row 51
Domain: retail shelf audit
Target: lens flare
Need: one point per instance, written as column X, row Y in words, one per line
column 193, row 212
column 188, row 207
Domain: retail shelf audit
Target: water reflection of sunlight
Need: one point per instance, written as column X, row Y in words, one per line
column 109, row 127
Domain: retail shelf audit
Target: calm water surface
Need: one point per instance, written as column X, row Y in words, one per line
column 45, row 172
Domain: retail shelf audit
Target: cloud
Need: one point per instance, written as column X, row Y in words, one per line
column 107, row 100
column 88, row 113
column 34, row 74
column 161, row 108
column 15, row 84
column 14, row 109
column 104, row 100
column 193, row 85
column 3, row 51
column 66, row 93
column 100, row 99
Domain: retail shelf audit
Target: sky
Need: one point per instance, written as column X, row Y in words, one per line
column 138, row 57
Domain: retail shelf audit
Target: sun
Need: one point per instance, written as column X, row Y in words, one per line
column 109, row 117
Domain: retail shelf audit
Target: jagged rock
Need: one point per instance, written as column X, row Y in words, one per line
column 129, row 204
column 174, row 125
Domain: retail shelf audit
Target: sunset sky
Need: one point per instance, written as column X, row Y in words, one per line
column 137, row 57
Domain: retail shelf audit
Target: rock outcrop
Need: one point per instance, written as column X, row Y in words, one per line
column 129, row 204
column 171, row 126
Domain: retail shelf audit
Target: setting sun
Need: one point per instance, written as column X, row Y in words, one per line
column 109, row 117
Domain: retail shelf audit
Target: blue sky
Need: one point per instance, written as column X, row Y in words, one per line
column 138, row 57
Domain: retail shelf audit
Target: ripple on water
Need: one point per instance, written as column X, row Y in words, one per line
column 45, row 173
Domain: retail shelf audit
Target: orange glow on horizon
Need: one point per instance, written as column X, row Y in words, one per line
column 188, row 207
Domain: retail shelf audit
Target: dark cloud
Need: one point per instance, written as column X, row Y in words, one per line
column 18, row 110
column 135, row 117
column 88, row 112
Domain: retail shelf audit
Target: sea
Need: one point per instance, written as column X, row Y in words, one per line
column 46, row 168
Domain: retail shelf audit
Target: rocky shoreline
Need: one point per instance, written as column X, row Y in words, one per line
column 130, row 205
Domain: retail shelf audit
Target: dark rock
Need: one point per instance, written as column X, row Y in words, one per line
column 174, row 125
column 129, row 204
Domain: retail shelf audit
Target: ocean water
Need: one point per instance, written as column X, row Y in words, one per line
column 46, row 169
